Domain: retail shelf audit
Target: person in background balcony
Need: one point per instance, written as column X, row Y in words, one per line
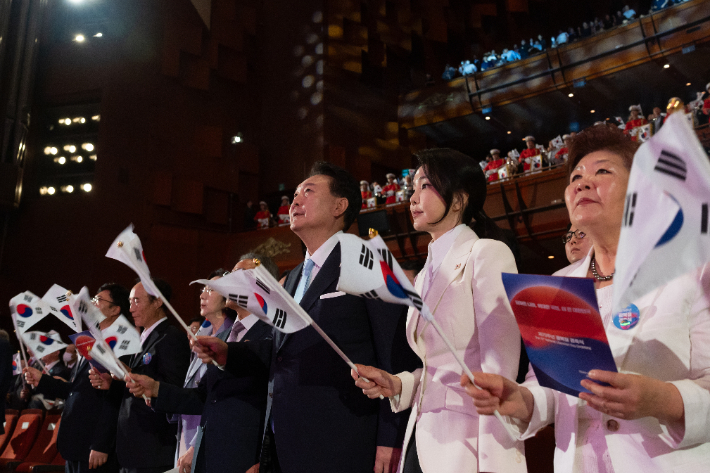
column 263, row 216
column 365, row 192
column 390, row 190
column 283, row 210
column 634, row 123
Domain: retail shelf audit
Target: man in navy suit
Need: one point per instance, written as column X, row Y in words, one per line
column 317, row 420
column 87, row 433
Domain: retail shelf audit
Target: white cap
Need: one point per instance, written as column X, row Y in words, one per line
column 263, row 203
column 707, row 86
column 364, row 182
column 529, row 138
column 495, row 151
column 564, row 137
column 389, row 174
column 635, row 107
column 284, row 197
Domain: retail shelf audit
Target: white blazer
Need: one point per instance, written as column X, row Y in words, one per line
column 468, row 300
column 671, row 342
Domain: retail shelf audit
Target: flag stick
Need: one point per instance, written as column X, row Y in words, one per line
column 43, row 366
column 514, row 436
column 298, row 310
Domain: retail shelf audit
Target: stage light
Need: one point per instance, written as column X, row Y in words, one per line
column 79, row 159
column 43, row 191
column 87, row 187
column 92, row 157
column 509, row 132
column 488, row 118
column 61, row 160
column 68, row 189
column 666, row 66
column 570, row 95
column 79, row 38
column 96, row 118
column 51, row 190
column 48, row 150
column 687, row 84
column 98, row 35
column 70, row 148
column 237, row 139
column 592, row 111
column 550, row 257
column 88, row 147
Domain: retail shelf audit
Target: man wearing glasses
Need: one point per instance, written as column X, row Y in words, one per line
column 577, row 244
column 87, row 432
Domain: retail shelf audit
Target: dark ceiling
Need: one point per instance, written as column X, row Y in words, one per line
column 554, row 113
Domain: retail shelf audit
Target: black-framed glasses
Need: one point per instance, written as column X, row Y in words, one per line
column 96, row 300
column 568, row 236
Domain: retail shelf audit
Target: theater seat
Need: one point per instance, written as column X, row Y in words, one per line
column 44, row 449
column 23, row 436
column 57, row 465
column 11, row 416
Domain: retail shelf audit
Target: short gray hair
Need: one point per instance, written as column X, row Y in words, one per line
column 4, row 335
column 267, row 262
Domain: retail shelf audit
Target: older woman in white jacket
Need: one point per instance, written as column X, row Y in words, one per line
column 654, row 414
column 461, row 284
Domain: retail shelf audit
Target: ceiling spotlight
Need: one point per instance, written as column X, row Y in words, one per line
column 92, row 157
column 488, row 118
column 48, row 150
column 79, row 159
column 51, row 190
column 687, row 84
column 70, row 148
column 42, row 190
column 237, row 138
column 61, row 160
column 98, row 35
column 570, row 95
column 79, row 38
column 68, row 189
column 666, row 66
column 592, row 111
column 88, row 147
column 509, row 132
column 96, row 118
column 87, row 187
column 551, row 257
column 67, row 121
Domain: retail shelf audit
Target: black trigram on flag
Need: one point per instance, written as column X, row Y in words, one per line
column 630, row 208
column 137, row 252
column 28, row 298
column 20, row 324
column 124, row 345
column 672, row 165
column 414, row 297
column 62, row 298
column 40, row 348
column 39, row 310
column 263, row 286
column 122, row 329
column 366, row 257
column 33, row 336
column 280, row 319
column 82, row 309
column 386, row 256
column 239, row 299
column 704, row 219
column 371, row 295
column 53, row 309
column 99, row 348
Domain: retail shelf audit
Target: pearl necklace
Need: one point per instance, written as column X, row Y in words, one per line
column 596, row 274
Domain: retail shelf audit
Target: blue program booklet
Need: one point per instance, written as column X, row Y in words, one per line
column 84, row 342
column 561, row 327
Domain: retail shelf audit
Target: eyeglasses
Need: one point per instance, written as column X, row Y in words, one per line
column 96, row 300
column 568, row 236
column 208, row 290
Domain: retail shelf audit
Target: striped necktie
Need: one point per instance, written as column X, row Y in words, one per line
column 305, row 280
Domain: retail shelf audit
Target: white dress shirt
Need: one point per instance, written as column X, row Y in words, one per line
column 320, row 255
column 147, row 331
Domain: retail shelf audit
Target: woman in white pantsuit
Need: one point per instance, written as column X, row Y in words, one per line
column 461, row 284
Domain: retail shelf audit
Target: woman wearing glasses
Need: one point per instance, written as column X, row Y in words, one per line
column 577, row 246
column 653, row 415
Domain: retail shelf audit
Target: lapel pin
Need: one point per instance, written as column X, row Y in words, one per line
column 458, row 266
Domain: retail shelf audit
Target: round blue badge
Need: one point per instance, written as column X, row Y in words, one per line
column 627, row 318
column 147, row 357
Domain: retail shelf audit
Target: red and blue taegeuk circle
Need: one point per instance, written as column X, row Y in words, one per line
column 24, row 311
column 262, row 303
column 393, row 285
column 66, row 310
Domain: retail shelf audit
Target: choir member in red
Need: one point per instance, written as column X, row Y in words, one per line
column 491, row 169
column 561, row 155
column 390, row 190
column 283, row 211
column 636, row 121
column 706, row 103
column 527, row 154
column 263, row 216
column 365, row 192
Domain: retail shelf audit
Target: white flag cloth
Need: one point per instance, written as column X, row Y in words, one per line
column 122, row 337
column 558, row 142
column 42, row 344
column 263, row 297
column 644, row 133
column 16, row 364
column 127, row 249
column 665, row 231
column 60, row 300
column 100, row 350
column 27, row 309
column 368, row 269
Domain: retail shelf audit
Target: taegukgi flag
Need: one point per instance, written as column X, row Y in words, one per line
column 43, row 344
column 127, row 249
column 368, row 269
column 27, row 309
column 263, row 297
column 665, row 230
column 122, row 337
column 60, row 299
column 16, row 364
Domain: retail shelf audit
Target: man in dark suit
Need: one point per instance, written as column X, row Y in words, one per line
column 6, row 379
column 145, row 440
column 318, row 421
column 87, row 433
column 222, row 400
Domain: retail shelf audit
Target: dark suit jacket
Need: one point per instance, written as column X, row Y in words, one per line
column 89, row 416
column 61, row 370
column 144, row 438
column 232, row 408
column 322, row 421
column 6, row 379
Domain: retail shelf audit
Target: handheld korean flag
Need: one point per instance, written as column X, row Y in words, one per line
column 254, row 294
column 43, row 344
column 16, row 364
column 665, row 230
column 100, row 350
column 368, row 269
column 122, row 337
column 558, row 142
column 28, row 309
column 60, row 299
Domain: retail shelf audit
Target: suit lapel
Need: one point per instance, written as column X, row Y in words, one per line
column 453, row 264
column 149, row 342
column 290, row 285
